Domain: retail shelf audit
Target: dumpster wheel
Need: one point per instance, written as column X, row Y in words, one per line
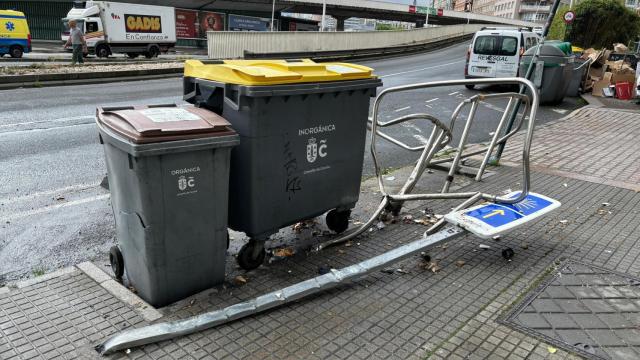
column 117, row 262
column 338, row 221
column 249, row 257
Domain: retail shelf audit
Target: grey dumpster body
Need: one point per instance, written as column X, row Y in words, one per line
column 300, row 154
column 168, row 170
column 557, row 71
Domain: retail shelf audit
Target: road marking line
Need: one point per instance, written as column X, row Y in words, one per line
column 53, row 207
column 49, row 192
column 453, row 93
column 402, row 109
column 412, row 126
column 46, row 121
column 434, row 99
column 492, row 107
column 427, row 68
column 421, row 138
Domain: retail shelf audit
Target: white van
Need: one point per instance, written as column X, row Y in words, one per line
column 496, row 51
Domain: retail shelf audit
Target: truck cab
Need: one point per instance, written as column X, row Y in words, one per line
column 115, row 27
column 88, row 20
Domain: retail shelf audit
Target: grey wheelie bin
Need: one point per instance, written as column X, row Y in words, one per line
column 168, row 170
column 557, row 71
column 302, row 128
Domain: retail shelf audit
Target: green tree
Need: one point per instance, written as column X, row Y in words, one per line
column 558, row 27
column 600, row 23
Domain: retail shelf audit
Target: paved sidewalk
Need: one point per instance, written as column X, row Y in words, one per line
column 411, row 314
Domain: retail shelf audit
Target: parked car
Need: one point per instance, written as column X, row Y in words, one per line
column 15, row 38
column 496, row 52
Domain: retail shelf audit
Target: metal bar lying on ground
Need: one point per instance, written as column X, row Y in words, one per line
column 169, row 330
column 440, row 137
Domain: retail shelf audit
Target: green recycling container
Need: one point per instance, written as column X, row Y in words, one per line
column 552, row 72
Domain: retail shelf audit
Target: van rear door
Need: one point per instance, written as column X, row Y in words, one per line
column 494, row 56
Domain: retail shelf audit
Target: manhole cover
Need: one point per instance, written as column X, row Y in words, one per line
column 584, row 309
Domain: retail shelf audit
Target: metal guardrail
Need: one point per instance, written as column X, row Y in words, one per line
column 234, row 44
column 359, row 53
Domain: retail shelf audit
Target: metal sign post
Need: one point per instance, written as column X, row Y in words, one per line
column 514, row 112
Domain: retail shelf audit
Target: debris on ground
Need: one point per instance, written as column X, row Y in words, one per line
column 284, row 252
column 563, row 222
column 394, row 271
column 407, row 219
column 496, row 238
column 240, row 280
column 380, row 225
column 433, row 266
column 390, row 178
column 551, row 349
column 460, row 263
column 484, row 247
column 60, row 198
column 324, row 270
column 524, row 246
column 306, row 224
column 605, row 204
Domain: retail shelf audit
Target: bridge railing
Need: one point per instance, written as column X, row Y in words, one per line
column 234, row 44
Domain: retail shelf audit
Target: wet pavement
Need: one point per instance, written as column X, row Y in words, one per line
column 51, row 206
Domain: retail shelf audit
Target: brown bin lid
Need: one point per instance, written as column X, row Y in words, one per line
column 147, row 124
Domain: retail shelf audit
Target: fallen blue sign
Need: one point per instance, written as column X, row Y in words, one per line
column 491, row 219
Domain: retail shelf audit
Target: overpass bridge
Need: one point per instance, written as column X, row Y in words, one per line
column 341, row 10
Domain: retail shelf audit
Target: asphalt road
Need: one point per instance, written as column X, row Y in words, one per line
column 53, row 213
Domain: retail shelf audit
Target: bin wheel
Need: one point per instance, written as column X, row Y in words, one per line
column 470, row 86
column 508, row 253
column 247, row 258
column 338, row 221
column 394, row 208
column 117, row 262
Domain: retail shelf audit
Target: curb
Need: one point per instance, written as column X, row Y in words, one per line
column 30, row 81
column 148, row 312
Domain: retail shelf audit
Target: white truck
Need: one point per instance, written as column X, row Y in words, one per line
column 115, row 27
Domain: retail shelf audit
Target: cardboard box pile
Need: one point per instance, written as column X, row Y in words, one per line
column 604, row 73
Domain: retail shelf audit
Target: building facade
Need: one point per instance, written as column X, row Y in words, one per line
column 506, row 8
column 534, row 11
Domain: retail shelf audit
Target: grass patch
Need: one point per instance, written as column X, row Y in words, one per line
column 38, row 271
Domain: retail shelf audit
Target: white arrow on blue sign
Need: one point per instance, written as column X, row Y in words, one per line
column 491, row 219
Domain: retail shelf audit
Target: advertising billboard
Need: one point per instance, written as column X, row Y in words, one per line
column 192, row 24
column 186, row 24
column 248, row 23
column 210, row 21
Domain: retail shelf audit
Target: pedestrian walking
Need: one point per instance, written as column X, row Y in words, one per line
column 78, row 43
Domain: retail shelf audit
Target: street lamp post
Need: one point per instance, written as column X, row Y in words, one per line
column 273, row 11
column 324, row 13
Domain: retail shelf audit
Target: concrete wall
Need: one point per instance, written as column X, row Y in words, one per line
column 233, row 44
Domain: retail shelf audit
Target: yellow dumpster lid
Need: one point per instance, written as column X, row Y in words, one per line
column 275, row 72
